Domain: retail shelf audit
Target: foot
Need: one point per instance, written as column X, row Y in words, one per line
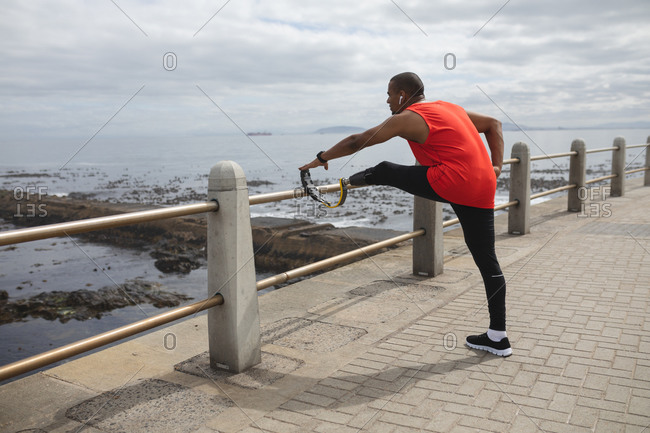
column 483, row 342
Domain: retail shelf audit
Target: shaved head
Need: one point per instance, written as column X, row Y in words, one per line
column 409, row 82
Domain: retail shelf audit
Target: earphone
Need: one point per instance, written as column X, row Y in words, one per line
column 400, row 99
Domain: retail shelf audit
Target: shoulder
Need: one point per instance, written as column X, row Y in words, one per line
column 408, row 116
column 411, row 125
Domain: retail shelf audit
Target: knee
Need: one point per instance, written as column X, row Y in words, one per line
column 380, row 173
column 372, row 176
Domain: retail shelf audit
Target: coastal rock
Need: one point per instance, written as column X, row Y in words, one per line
column 87, row 304
column 177, row 258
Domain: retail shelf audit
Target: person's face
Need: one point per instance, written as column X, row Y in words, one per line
column 395, row 98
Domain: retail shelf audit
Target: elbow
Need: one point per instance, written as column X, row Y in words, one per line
column 495, row 125
column 355, row 142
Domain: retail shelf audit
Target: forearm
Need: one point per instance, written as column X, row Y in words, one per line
column 345, row 147
column 388, row 129
column 494, row 137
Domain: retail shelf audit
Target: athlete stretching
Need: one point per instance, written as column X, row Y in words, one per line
column 455, row 168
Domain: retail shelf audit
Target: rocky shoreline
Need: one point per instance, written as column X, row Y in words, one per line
column 177, row 246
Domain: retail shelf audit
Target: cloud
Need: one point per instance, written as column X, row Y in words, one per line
column 290, row 66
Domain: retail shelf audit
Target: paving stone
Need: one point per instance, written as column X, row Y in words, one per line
column 328, row 427
column 403, row 420
column 617, row 393
column 603, row 426
column 381, row 427
column 639, row 406
column 525, row 424
column 315, row 399
column 584, row 416
column 563, row 402
column 290, row 417
column 335, row 417
column 268, row 424
column 543, row 390
column 504, row 411
column 482, row 424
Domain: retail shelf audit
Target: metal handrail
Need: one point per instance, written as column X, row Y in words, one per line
column 553, row 191
column 553, row 155
column 334, row 260
column 511, row 161
column 106, row 222
column 634, row 146
column 602, row 149
column 601, row 178
column 636, row 170
column 454, row 221
column 505, row 205
column 46, row 358
column 91, row 224
column 450, row 222
column 271, row 197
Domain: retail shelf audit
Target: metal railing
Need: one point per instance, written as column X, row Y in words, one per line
column 518, row 220
column 46, row 358
column 335, row 260
column 518, row 204
column 107, row 222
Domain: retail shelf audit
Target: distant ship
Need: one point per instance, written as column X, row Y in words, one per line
column 255, row 134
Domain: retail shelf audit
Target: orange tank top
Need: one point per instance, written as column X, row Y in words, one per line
column 460, row 169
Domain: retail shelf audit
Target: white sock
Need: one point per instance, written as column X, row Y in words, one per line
column 496, row 336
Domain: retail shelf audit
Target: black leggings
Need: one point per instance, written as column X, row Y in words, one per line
column 477, row 224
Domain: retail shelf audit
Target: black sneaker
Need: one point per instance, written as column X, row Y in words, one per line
column 483, row 342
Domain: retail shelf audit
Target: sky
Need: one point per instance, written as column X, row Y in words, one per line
column 144, row 68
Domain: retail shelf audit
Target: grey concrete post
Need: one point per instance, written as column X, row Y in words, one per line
column 646, row 177
column 428, row 250
column 519, row 215
column 577, row 175
column 234, row 327
column 618, row 168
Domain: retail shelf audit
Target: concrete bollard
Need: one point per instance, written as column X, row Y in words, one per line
column 618, row 168
column 646, row 177
column 428, row 250
column 234, row 327
column 577, row 175
column 519, row 216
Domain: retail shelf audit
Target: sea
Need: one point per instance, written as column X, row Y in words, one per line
column 166, row 171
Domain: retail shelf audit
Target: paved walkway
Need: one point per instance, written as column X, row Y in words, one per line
column 371, row 348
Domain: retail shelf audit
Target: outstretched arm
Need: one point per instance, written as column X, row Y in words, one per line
column 354, row 143
column 491, row 127
column 406, row 124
